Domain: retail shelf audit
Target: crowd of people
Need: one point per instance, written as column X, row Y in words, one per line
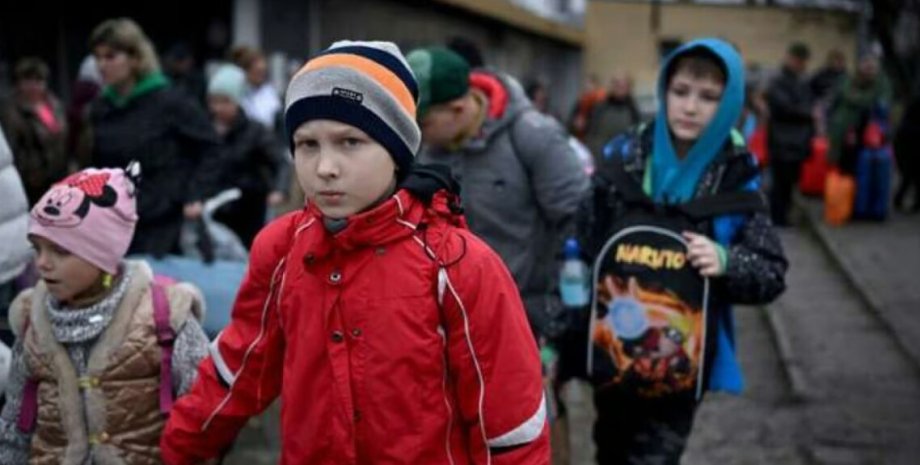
column 410, row 311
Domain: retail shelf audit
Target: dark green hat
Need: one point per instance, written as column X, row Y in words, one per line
column 442, row 76
column 799, row 50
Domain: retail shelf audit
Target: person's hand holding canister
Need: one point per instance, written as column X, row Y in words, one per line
column 193, row 210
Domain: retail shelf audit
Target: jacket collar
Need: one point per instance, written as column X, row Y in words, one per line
column 396, row 218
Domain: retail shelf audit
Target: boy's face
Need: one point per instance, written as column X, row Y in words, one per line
column 67, row 276
column 442, row 124
column 692, row 102
column 340, row 168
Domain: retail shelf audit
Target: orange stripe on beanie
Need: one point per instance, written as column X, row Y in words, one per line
column 389, row 80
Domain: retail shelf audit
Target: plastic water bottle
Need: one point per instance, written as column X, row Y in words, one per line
column 574, row 283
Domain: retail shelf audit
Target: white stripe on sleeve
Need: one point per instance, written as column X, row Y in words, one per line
column 525, row 432
column 222, row 369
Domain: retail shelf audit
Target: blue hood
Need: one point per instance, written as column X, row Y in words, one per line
column 675, row 180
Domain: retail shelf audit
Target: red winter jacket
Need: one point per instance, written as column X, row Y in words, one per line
column 371, row 369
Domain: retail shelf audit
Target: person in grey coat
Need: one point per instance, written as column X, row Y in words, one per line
column 521, row 184
column 14, row 247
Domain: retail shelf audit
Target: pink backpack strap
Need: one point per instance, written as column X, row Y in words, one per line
column 28, row 407
column 165, row 338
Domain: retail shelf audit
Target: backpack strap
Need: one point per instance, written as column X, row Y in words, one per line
column 166, row 336
column 700, row 209
column 28, row 407
column 725, row 203
column 625, row 186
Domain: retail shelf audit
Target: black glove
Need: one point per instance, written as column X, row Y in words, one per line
column 425, row 180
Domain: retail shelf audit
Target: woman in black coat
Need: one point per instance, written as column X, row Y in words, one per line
column 139, row 117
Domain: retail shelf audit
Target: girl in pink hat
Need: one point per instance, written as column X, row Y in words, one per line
column 101, row 346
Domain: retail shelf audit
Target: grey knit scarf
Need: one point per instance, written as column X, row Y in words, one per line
column 77, row 325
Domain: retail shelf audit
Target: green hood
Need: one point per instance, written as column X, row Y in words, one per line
column 151, row 82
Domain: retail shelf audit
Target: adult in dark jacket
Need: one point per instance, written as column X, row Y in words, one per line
column 139, row 117
column 825, row 82
column 36, row 126
column 791, row 129
column 254, row 162
column 184, row 73
column 612, row 116
column 907, row 154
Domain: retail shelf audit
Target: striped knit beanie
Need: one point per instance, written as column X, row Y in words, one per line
column 367, row 85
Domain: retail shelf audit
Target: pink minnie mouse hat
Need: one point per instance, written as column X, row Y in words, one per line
column 91, row 213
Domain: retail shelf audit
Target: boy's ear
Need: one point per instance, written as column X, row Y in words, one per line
column 457, row 106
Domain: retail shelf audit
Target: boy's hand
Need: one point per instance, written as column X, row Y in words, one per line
column 705, row 255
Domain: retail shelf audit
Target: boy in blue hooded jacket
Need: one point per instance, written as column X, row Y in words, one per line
column 688, row 153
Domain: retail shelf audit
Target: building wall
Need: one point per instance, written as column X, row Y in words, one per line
column 620, row 35
column 297, row 28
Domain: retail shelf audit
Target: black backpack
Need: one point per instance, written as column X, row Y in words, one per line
column 649, row 315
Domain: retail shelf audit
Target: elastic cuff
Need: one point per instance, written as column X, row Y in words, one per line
column 723, row 256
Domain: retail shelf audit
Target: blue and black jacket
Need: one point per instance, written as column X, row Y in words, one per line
column 756, row 265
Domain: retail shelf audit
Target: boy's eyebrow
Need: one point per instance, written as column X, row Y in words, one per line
column 335, row 132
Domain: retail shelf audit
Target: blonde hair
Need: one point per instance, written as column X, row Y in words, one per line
column 245, row 56
column 125, row 35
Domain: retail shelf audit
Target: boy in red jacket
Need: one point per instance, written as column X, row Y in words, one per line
column 392, row 334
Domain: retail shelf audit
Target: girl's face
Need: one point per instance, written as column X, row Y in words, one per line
column 68, row 277
column 692, row 102
column 115, row 66
column 340, row 168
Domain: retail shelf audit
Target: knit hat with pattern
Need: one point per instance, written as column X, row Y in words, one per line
column 91, row 213
column 367, row 85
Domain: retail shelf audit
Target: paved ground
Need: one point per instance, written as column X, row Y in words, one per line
column 882, row 260
column 862, row 393
column 764, row 424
